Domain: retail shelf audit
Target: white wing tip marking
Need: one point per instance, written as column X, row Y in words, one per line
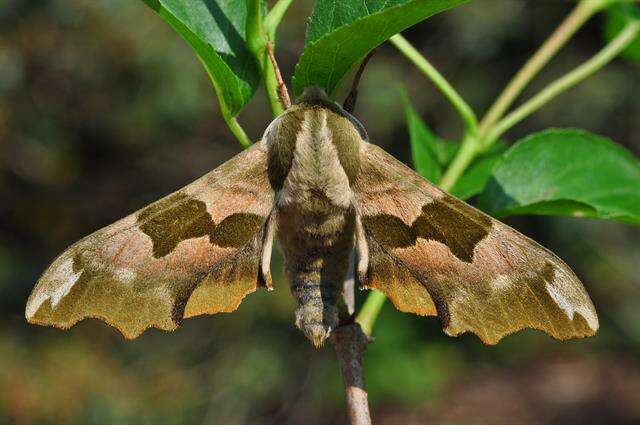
column 34, row 305
column 571, row 308
column 66, row 277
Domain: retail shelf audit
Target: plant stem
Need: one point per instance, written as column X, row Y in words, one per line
column 237, row 130
column 466, row 113
column 232, row 122
column 581, row 13
column 274, row 17
column 469, row 148
column 256, row 37
column 257, row 42
column 370, row 310
column 283, row 93
column 604, row 56
column 350, row 342
column 271, row 85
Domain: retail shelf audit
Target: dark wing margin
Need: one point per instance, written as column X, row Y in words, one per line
column 193, row 252
column 431, row 253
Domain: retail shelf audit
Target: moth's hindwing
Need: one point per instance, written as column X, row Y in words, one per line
column 432, row 253
column 195, row 251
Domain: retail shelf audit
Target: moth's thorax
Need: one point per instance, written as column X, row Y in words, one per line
column 314, row 154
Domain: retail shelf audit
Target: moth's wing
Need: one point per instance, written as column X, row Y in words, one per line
column 434, row 254
column 195, row 251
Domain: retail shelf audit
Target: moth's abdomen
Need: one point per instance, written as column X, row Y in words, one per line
column 313, row 156
column 316, row 250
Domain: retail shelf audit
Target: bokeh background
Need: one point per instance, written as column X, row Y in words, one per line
column 103, row 109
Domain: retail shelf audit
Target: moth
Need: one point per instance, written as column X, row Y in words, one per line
column 316, row 183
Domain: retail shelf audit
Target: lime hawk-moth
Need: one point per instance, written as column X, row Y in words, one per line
column 316, row 183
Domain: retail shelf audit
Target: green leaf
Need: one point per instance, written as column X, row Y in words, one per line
column 216, row 30
column 619, row 15
column 424, row 158
column 429, row 152
column 340, row 33
column 565, row 172
column 474, row 180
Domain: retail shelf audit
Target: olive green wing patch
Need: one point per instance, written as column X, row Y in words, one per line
column 432, row 253
column 195, row 251
column 179, row 217
column 438, row 221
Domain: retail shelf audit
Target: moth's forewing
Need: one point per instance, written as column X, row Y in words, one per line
column 195, row 251
column 431, row 253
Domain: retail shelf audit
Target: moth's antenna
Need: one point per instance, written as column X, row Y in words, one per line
column 349, row 104
column 283, row 93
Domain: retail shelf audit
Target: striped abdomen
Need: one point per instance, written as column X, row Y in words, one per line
column 316, row 250
column 313, row 158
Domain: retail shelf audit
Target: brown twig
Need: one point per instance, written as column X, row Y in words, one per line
column 349, row 104
column 350, row 342
column 283, row 93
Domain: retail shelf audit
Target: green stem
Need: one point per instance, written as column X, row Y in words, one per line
column 370, row 309
column 604, row 56
column 274, row 17
column 257, row 42
column 271, row 86
column 466, row 113
column 256, row 38
column 231, row 120
column 469, row 148
column 576, row 19
column 237, row 130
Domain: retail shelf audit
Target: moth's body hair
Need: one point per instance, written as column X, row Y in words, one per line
column 316, row 181
column 316, row 217
column 315, row 96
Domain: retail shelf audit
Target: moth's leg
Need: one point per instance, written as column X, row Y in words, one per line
column 348, row 287
column 267, row 248
column 362, row 254
column 349, row 104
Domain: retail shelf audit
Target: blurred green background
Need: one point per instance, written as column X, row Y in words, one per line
column 103, row 109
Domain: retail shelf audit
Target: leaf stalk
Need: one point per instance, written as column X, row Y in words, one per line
column 604, row 56
column 237, row 130
column 410, row 52
column 257, row 39
column 369, row 311
column 469, row 149
column 274, row 17
column 581, row 13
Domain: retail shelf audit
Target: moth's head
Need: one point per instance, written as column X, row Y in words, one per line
column 313, row 95
column 316, row 97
